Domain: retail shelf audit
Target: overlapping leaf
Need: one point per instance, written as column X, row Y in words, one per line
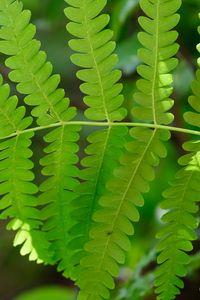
column 118, row 207
column 194, row 100
column 159, row 44
column 118, row 211
column 33, row 75
column 181, row 205
column 99, row 165
column 18, row 202
column 176, row 236
column 88, row 223
column 94, row 55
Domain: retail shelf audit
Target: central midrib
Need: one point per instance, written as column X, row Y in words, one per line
column 155, row 63
column 97, row 179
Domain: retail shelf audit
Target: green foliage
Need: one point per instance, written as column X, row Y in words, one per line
column 33, row 75
column 159, row 44
column 109, row 238
column 18, row 202
column 95, row 56
column 193, row 117
column 181, row 205
column 118, row 210
column 179, row 231
column 82, row 215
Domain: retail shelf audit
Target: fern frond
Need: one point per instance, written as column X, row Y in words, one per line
column 118, row 211
column 192, row 118
column 177, row 234
column 181, row 202
column 103, row 155
column 33, row 75
column 18, row 202
column 58, row 190
column 159, row 44
column 118, row 207
column 95, row 56
column 30, row 69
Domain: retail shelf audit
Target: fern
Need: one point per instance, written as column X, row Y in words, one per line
column 81, row 219
column 99, row 165
column 181, row 202
column 118, row 206
column 18, row 202
column 159, row 44
column 118, row 210
column 34, row 78
column 95, row 56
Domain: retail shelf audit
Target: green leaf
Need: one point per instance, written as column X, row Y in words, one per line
column 118, row 210
column 180, row 220
column 158, row 41
column 33, row 75
column 95, row 56
column 18, row 192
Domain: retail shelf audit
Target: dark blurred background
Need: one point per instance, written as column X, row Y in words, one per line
column 17, row 275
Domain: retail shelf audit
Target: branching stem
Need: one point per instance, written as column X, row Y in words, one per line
column 104, row 124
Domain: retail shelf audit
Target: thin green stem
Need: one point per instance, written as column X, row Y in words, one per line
column 103, row 124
